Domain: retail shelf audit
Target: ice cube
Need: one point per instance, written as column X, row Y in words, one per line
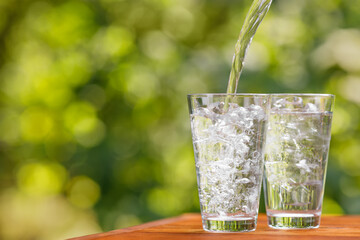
column 304, row 167
column 217, row 107
column 244, row 180
column 310, row 107
column 298, row 101
column 256, row 155
column 280, row 103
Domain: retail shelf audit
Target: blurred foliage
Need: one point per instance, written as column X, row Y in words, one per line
column 93, row 114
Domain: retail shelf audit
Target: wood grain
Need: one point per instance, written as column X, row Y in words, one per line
column 188, row 226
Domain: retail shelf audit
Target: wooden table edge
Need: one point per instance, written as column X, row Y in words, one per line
column 134, row 228
column 262, row 217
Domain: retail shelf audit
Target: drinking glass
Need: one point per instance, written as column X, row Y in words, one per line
column 228, row 132
column 296, row 154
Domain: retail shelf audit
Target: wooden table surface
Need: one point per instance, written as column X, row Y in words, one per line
column 188, row 226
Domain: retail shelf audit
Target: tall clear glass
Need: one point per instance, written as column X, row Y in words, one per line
column 228, row 132
column 296, row 154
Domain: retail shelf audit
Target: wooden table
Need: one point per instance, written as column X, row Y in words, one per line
column 188, row 226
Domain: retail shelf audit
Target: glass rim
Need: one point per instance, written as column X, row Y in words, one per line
column 303, row 95
column 262, row 94
column 228, row 94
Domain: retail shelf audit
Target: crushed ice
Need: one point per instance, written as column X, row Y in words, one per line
column 228, row 158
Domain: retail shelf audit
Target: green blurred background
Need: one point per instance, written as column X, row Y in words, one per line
column 93, row 114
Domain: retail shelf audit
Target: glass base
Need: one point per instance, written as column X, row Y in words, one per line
column 236, row 225
column 293, row 221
